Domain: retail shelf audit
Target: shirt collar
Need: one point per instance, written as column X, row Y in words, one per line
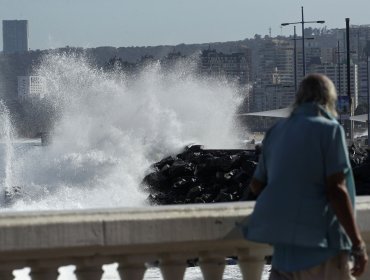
column 312, row 109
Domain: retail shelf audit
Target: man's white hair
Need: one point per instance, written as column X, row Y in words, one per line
column 317, row 88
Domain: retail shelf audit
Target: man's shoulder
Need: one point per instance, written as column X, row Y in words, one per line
column 328, row 129
column 274, row 127
column 325, row 123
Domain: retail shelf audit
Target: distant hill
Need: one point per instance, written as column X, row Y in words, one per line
column 15, row 65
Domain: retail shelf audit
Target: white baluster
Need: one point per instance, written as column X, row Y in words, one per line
column 44, row 269
column 44, row 273
column 212, row 266
column 251, row 264
column 172, row 267
column 6, row 275
column 131, row 269
column 90, row 272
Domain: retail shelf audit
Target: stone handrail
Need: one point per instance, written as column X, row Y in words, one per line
column 170, row 235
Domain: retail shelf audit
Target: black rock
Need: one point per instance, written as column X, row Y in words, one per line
column 12, row 194
column 194, row 148
column 207, row 197
column 362, row 172
column 156, row 181
column 198, row 175
column 224, row 197
column 166, row 161
column 194, row 192
column 181, row 168
column 225, row 163
column 183, row 184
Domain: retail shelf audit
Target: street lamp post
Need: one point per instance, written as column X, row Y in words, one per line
column 339, row 74
column 339, row 79
column 295, row 57
column 303, row 46
column 339, row 69
column 368, row 96
column 302, row 22
column 295, row 60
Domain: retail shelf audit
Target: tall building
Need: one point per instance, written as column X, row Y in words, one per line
column 359, row 36
column 15, row 36
column 276, row 56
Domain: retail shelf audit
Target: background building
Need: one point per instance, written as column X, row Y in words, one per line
column 31, row 87
column 276, row 56
column 338, row 74
column 15, row 36
column 234, row 66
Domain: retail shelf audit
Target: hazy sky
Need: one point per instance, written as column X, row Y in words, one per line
column 92, row 23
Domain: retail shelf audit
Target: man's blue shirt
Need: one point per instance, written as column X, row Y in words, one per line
column 292, row 212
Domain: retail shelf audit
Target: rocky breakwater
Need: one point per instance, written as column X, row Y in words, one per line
column 200, row 175
column 360, row 162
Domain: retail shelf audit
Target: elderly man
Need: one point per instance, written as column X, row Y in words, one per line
column 305, row 207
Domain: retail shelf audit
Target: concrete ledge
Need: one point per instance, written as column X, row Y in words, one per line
column 126, row 230
column 22, row 231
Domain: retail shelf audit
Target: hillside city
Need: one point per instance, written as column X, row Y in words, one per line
column 266, row 69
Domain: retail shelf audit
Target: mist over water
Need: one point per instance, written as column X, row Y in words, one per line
column 7, row 137
column 109, row 128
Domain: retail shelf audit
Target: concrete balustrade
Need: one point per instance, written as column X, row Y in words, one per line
column 133, row 238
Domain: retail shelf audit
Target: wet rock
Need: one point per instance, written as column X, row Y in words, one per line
column 157, row 181
column 182, row 185
column 194, row 192
column 198, row 175
column 225, row 197
column 358, row 155
column 360, row 161
column 166, row 161
column 12, row 194
column 248, row 166
column 181, row 168
column 362, row 172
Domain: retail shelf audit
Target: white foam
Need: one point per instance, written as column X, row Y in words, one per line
column 110, row 128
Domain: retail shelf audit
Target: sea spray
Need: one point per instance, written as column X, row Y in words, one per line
column 7, row 138
column 108, row 128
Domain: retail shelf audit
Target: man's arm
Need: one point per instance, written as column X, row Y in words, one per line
column 256, row 186
column 341, row 204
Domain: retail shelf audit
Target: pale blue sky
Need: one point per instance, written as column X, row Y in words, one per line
column 92, row 23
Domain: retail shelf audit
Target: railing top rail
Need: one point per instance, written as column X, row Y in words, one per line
column 194, row 210
column 149, row 230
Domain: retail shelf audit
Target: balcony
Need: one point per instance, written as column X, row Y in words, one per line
column 167, row 235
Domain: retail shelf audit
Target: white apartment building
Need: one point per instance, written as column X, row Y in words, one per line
column 31, row 87
column 272, row 96
column 338, row 74
column 362, row 82
column 276, row 56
